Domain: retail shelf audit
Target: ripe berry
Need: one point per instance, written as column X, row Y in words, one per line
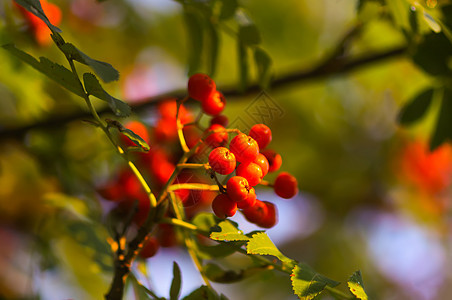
column 262, row 161
column 218, row 138
column 271, row 217
column 262, row 134
column 214, row 104
column 244, row 147
column 256, row 213
column 223, row 206
column 240, row 191
column 200, row 87
column 274, row 159
column 165, row 130
column 285, row 185
column 252, row 172
column 220, row 119
column 150, row 248
column 222, row 160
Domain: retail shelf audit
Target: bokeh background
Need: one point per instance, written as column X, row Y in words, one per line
column 372, row 196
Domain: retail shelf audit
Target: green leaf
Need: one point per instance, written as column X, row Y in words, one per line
column 104, row 70
column 214, row 41
column 34, row 6
column 73, row 205
column 416, row 108
column 195, row 29
column 205, row 221
column 261, row 244
column 433, row 54
column 204, row 293
column 355, row 284
column 176, row 283
column 216, row 274
column 263, row 63
column 400, row 10
column 135, row 138
column 54, row 71
column 443, row 129
column 307, row 283
column 249, row 34
column 228, row 232
column 220, row 250
column 228, row 9
column 94, row 88
column 243, row 66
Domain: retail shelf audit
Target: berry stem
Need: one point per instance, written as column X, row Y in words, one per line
column 180, row 133
column 193, row 186
column 193, row 166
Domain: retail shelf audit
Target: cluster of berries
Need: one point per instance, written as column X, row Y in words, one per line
column 245, row 154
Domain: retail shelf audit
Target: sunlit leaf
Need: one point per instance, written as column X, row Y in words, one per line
column 307, row 283
column 204, row 221
column 54, row 71
column 261, row 244
column 355, row 284
column 176, row 283
column 220, row 250
column 400, row 10
column 94, row 88
column 443, row 129
column 416, row 108
column 104, row 70
column 228, row 232
column 34, row 6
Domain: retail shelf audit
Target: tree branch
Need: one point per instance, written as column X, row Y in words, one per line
column 335, row 65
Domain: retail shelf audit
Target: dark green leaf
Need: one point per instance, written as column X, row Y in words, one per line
column 243, row 65
column 217, row 274
column 249, row 34
column 104, row 70
column 261, row 244
column 214, row 41
column 176, row 283
column 307, row 283
column 228, row 8
column 203, row 293
column 416, row 108
column 94, row 88
column 433, row 54
column 443, row 129
column 263, row 63
column 355, row 284
column 216, row 251
column 228, row 232
column 195, row 29
column 34, row 6
column 135, row 138
column 54, row 71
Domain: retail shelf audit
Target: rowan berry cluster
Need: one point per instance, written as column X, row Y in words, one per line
column 235, row 164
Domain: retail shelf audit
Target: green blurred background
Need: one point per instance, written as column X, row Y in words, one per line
column 372, row 197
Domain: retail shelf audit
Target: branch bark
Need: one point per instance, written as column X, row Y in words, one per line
column 335, row 65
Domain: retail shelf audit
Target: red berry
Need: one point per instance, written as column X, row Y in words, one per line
column 244, row 147
column 240, row 191
column 214, row 104
column 223, row 206
column 200, row 87
column 150, row 248
column 256, row 213
column 262, row 134
column 222, row 160
column 274, row 160
column 262, row 161
column 112, row 192
column 285, row 185
column 252, row 172
column 220, row 119
column 218, row 138
column 165, row 130
column 271, row 217
column 166, row 235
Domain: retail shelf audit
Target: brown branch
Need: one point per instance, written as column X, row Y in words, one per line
column 334, row 65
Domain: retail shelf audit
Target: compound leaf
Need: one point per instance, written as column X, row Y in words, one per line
column 34, row 6
column 260, row 243
column 307, row 283
column 226, row 231
column 355, row 284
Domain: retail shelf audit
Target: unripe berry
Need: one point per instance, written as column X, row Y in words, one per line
column 274, row 159
column 262, row 161
column 285, row 185
column 222, row 161
column 252, row 172
column 220, row 119
column 262, row 134
column 200, row 87
column 218, row 138
column 150, row 248
column 214, row 104
column 244, row 147
column 256, row 213
column 240, row 191
column 271, row 217
column 223, row 206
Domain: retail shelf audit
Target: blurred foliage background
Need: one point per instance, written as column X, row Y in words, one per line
column 372, row 195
